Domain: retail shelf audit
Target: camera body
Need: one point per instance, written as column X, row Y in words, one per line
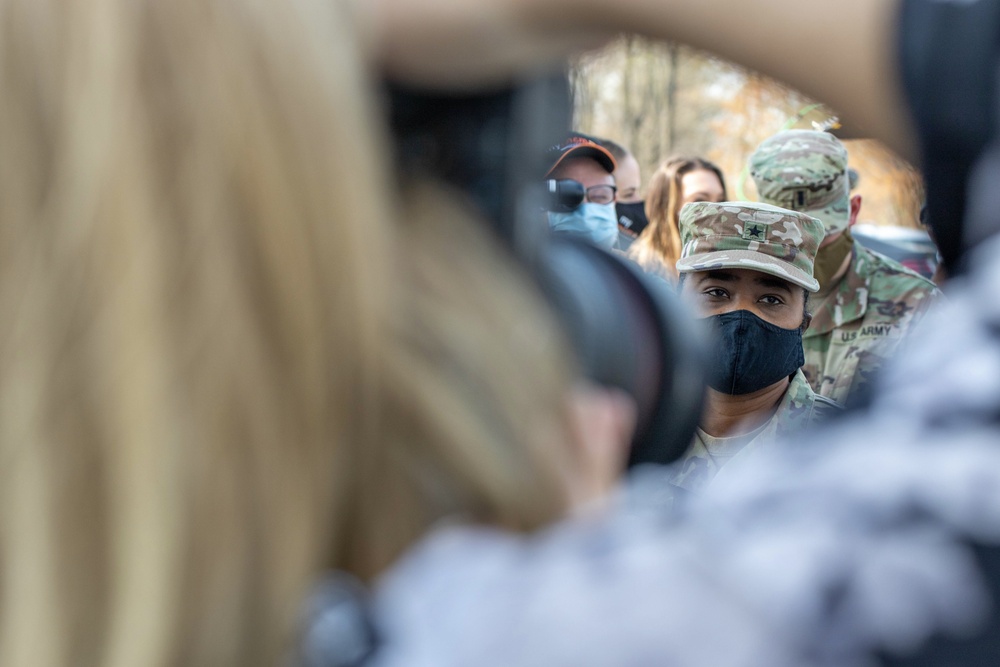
column 564, row 195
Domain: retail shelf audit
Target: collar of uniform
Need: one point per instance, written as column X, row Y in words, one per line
column 800, row 408
column 847, row 301
column 790, row 414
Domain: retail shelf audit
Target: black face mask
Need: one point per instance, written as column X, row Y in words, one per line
column 751, row 353
column 632, row 216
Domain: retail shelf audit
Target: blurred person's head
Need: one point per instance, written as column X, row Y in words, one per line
column 584, row 161
column 628, row 176
column 678, row 181
column 749, row 268
column 806, row 170
column 630, row 207
column 222, row 372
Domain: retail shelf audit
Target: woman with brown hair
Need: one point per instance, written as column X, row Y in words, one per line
column 678, row 181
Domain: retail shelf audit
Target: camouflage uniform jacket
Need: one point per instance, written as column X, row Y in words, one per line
column 860, row 322
column 798, row 409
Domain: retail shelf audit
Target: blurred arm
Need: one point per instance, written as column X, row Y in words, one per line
column 842, row 52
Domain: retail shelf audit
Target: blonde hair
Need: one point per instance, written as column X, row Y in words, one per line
column 473, row 391
column 223, row 370
column 189, row 320
column 659, row 245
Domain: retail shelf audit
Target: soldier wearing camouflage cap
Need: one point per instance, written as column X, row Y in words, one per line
column 747, row 269
column 866, row 302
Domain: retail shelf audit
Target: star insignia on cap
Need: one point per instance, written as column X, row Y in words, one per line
column 753, row 231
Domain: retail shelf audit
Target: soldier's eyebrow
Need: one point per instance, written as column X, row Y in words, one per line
column 718, row 274
column 762, row 279
column 772, row 282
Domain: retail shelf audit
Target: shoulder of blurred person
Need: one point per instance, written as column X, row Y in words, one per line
column 625, row 239
column 642, row 253
column 826, row 551
column 577, row 593
column 860, row 321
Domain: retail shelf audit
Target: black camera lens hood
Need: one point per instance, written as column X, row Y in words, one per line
column 630, row 331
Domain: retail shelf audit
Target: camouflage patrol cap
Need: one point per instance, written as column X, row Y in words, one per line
column 748, row 235
column 805, row 170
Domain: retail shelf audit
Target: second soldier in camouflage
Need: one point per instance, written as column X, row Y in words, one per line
column 867, row 302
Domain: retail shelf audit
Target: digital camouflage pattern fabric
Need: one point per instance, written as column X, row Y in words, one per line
column 800, row 409
column 859, row 323
column 859, row 320
column 805, row 170
column 745, row 235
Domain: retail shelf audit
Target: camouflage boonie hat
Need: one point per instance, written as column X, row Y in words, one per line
column 746, row 235
column 805, row 170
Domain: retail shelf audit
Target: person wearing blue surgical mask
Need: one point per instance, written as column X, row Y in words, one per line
column 630, row 206
column 582, row 160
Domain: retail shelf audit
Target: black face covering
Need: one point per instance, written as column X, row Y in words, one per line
column 751, row 354
column 632, row 216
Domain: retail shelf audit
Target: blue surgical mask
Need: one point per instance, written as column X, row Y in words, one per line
column 596, row 223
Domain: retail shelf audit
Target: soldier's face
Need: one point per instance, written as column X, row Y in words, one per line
column 725, row 290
